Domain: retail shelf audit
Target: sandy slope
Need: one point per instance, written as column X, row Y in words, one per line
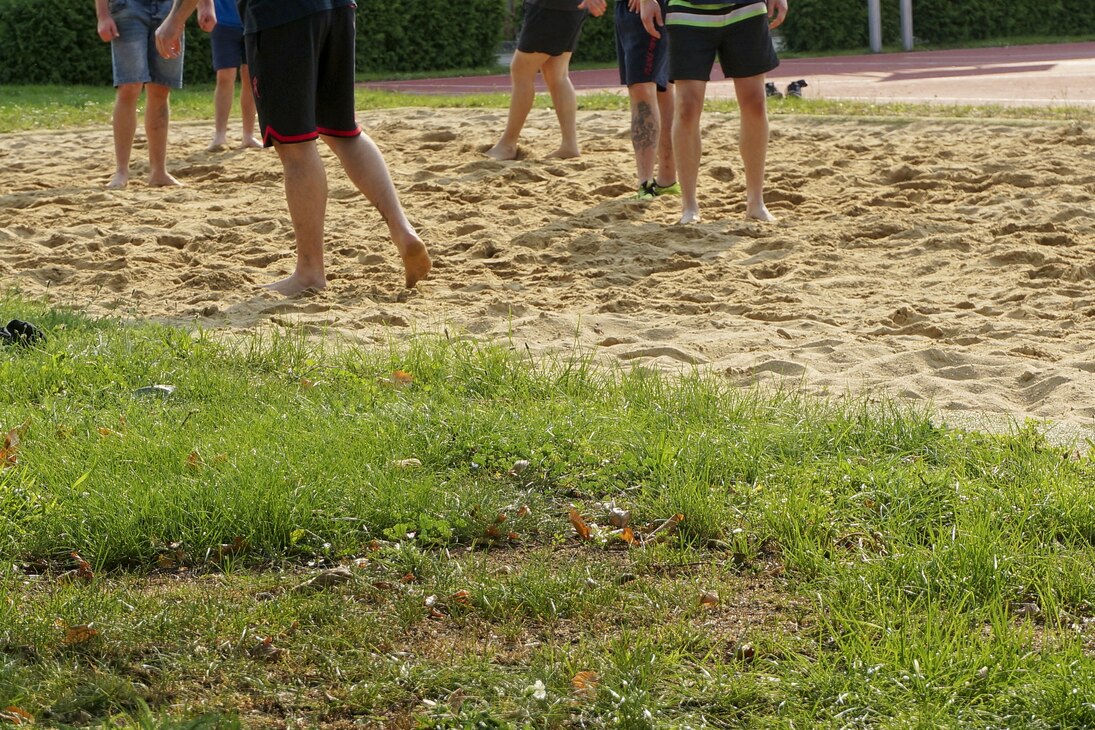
column 950, row 261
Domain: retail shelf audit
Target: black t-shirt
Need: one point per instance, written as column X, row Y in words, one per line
column 558, row 4
column 262, row 14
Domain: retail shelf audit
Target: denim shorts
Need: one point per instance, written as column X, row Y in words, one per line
column 134, row 54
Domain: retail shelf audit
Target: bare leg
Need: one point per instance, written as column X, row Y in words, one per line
column 556, row 73
column 645, row 126
column 125, row 127
column 522, row 71
column 157, row 114
column 247, row 109
column 306, row 194
column 365, row 167
column 222, row 106
column 687, row 146
column 667, row 168
column 753, row 143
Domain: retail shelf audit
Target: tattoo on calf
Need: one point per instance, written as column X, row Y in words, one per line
column 644, row 130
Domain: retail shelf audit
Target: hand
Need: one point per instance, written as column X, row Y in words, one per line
column 633, row 5
column 651, row 12
column 207, row 16
column 777, row 11
column 168, row 37
column 108, row 30
column 596, row 8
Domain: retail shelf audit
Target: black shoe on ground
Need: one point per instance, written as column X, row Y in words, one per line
column 795, row 88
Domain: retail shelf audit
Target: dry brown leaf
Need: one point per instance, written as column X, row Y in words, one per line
column 16, row 716
column 402, row 377
column 305, row 383
column 107, row 432
column 194, row 460
column 462, row 597
column 266, row 651
column 227, row 550
column 628, row 536
column 524, row 511
column 83, row 568
column 585, row 684
column 11, row 444
column 709, row 598
column 667, row 528
column 166, row 562
column 79, row 634
column 326, row 579
column 580, row 525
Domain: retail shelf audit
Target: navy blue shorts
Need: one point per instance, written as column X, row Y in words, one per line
column 550, row 31
column 643, row 59
column 302, row 76
column 227, row 42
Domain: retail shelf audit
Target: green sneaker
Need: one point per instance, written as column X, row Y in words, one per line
column 647, row 191
column 673, row 188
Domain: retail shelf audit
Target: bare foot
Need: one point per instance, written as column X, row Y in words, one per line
column 219, row 144
column 416, row 261
column 564, row 153
column 250, row 143
column 119, row 181
column 690, row 215
column 759, row 214
column 296, row 284
column 502, row 151
column 163, row 180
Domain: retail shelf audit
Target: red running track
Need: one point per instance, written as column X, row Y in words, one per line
column 1042, row 75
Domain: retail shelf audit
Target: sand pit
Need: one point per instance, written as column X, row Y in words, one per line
column 950, row 262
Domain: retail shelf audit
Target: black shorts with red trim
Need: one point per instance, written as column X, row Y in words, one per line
column 302, row 76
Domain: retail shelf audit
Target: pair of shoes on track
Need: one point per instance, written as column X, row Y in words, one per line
column 793, row 89
column 651, row 189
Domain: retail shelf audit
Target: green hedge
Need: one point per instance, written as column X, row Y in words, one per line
column 426, row 35
column 826, row 25
column 55, row 41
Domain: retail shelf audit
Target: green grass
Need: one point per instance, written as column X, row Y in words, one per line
column 883, row 571
column 25, row 108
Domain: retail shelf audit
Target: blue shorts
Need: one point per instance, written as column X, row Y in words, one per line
column 227, row 42
column 133, row 52
column 643, row 59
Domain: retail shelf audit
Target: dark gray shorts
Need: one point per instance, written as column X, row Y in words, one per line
column 550, row 31
column 736, row 33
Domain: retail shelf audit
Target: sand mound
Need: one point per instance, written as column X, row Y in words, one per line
column 948, row 261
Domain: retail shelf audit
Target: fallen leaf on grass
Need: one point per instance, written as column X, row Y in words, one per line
column 326, row 579
column 265, row 650
column 524, row 511
column 462, row 597
column 401, row 378
column 11, row 444
column 108, row 432
column 709, row 598
column 667, row 528
column 194, row 461
column 227, row 550
column 16, row 716
column 519, row 466
column 580, row 525
column 79, row 634
column 585, row 684
column 81, row 572
column 408, row 463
